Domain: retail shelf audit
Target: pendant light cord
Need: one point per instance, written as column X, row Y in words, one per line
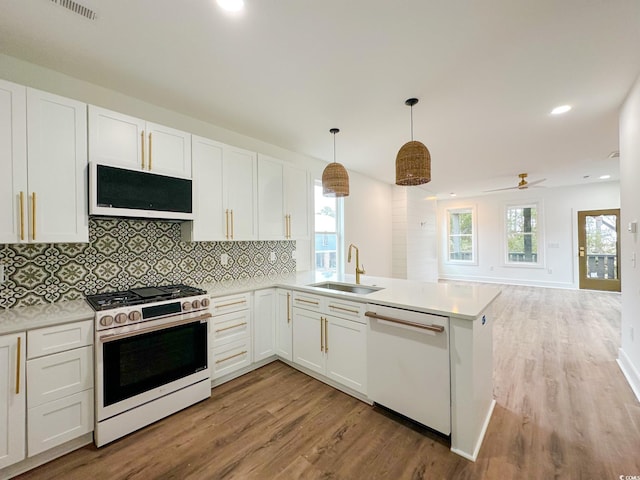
column 334, row 147
column 412, row 123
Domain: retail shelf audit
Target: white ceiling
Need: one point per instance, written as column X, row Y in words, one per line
column 286, row 71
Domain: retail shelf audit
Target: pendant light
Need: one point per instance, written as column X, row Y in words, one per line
column 335, row 179
column 413, row 162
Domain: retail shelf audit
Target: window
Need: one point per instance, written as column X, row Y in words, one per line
column 328, row 227
column 523, row 233
column 461, row 242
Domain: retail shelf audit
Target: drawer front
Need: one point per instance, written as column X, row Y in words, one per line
column 229, row 304
column 346, row 309
column 59, row 338
column 230, row 327
column 57, row 422
column 58, row 375
column 308, row 301
column 229, row 358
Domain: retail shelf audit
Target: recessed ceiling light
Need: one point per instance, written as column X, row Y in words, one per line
column 605, row 177
column 561, row 109
column 231, row 5
column 452, row 194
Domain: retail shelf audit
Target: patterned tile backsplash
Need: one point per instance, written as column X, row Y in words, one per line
column 124, row 253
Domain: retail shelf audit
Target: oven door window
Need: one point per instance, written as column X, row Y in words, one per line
column 140, row 363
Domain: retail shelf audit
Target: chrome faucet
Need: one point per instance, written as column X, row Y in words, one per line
column 359, row 271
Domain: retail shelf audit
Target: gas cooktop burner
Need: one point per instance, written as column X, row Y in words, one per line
column 137, row 296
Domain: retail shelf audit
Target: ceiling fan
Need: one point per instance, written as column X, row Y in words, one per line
column 522, row 184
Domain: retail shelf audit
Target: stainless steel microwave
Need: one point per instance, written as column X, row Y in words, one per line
column 122, row 192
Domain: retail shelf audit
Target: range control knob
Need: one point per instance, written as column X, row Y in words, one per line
column 186, row 306
column 205, row 302
column 134, row 316
column 196, row 304
column 106, row 320
column 121, row 318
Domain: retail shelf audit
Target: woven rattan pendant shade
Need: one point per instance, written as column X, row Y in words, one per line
column 335, row 179
column 413, row 162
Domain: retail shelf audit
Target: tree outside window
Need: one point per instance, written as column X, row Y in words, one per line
column 461, row 240
column 326, row 232
column 522, row 229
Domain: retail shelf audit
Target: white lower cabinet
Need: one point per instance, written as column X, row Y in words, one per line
column 230, row 345
column 59, row 385
column 12, row 398
column 284, row 324
column 264, row 316
column 331, row 346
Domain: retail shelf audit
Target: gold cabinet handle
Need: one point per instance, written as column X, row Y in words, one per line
column 289, row 225
column 142, row 147
column 226, row 230
column 232, row 326
column 433, row 328
column 306, row 301
column 18, row 365
column 288, row 308
column 21, row 215
column 33, row 215
column 230, row 304
column 150, row 145
column 321, row 335
column 232, row 224
column 230, row 357
column 326, row 334
column 350, row 310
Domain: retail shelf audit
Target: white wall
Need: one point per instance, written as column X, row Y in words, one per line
column 415, row 250
column 367, row 224
column 629, row 354
column 559, row 208
column 367, row 210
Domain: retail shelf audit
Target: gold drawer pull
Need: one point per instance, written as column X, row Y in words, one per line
column 306, row 301
column 350, row 310
column 230, row 357
column 18, row 366
column 232, row 326
column 433, row 328
column 230, row 304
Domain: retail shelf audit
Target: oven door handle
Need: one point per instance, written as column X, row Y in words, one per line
column 117, row 336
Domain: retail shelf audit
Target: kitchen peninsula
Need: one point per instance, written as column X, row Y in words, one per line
column 464, row 330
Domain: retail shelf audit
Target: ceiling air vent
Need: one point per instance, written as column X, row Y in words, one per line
column 614, row 154
column 76, row 7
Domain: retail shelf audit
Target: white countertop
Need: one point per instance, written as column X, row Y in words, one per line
column 465, row 301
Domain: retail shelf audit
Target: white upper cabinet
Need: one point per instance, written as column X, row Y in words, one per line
column 283, row 200
column 272, row 220
column 121, row 140
column 240, row 187
column 13, row 162
column 224, row 193
column 43, row 159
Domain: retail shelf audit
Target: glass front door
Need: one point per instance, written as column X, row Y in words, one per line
column 599, row 249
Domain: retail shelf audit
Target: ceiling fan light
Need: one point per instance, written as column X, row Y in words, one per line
column 413, row 164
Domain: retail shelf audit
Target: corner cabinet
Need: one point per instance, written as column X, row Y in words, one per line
column 264, row 317
column 12, row 398
column 284, row 324
column 121, row 140
column 43, row 150
column 224, row 198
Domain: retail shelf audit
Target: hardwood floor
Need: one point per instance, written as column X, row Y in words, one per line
column 563, row 410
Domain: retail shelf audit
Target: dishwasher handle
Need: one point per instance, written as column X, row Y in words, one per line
column 432, row 328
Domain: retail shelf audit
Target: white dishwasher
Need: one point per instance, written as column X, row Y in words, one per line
column 408, row 364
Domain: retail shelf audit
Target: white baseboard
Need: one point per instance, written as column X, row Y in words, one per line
column 507, row 281
column 630, row 372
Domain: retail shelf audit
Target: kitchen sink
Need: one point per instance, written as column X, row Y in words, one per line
column 347, row 287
